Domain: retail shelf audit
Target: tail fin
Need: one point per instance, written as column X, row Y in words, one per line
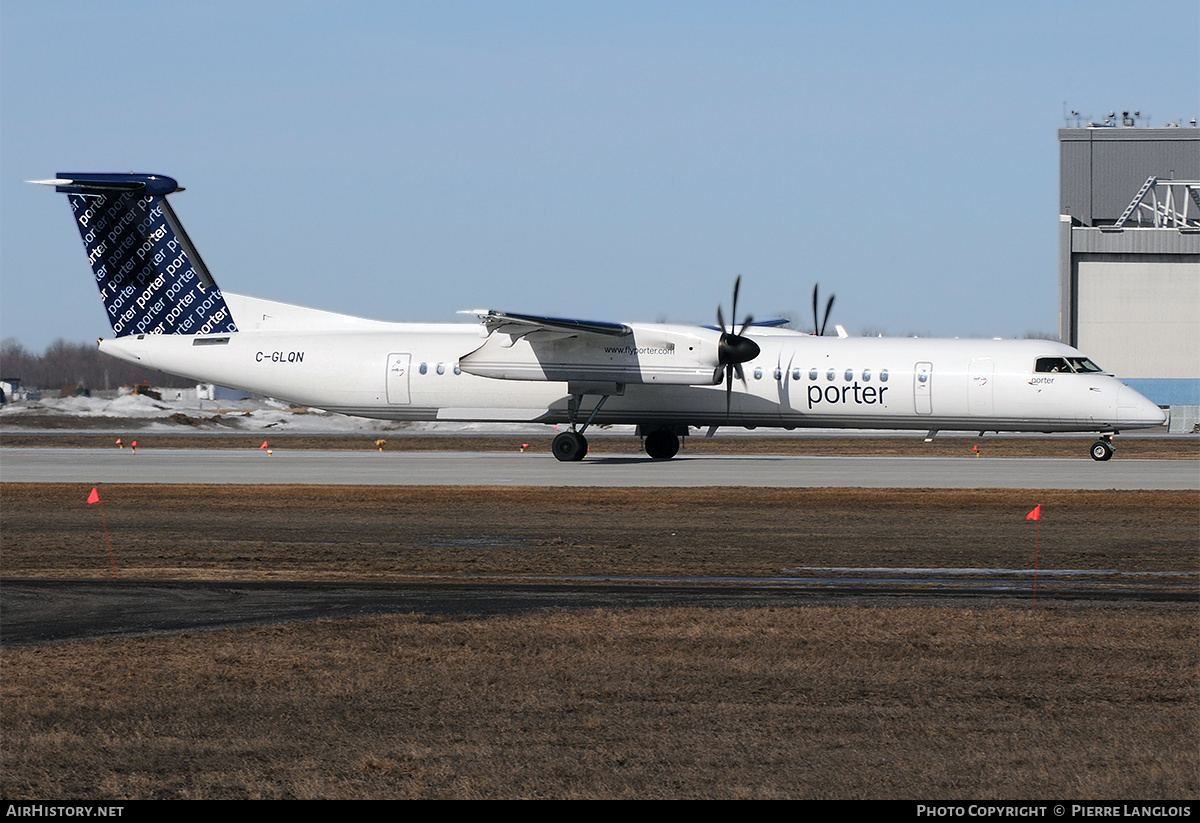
column 151, row 277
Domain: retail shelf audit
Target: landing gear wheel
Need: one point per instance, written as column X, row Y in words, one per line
column 1102, row 450
column 569, row 447
column 662, row 444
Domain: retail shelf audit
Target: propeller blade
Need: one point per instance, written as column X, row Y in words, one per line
column 734, row 348
column 737, row 284
column 828, row 308
column 816, row 325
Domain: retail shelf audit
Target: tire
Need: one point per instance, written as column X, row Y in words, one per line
column 569, row 447
column 662, row 444
column 1101, row 450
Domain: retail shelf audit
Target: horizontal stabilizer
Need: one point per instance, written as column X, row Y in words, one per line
column 71, row 182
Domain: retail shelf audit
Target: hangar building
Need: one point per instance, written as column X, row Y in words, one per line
column 1129, row 269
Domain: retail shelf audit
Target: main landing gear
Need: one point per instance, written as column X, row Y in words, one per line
column 569, row 446
column 662, row 444
column 572, row 446
column 1102, row 449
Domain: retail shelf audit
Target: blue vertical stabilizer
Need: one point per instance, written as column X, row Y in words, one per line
column 151, row 277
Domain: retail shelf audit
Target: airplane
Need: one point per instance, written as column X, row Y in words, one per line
column 167, row 313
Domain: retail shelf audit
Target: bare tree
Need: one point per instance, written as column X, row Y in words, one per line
column 74, row 365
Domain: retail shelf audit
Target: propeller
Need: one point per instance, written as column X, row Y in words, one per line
column 734, row 349
column 819, row 327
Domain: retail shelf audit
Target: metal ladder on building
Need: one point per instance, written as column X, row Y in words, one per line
column 1137, row 201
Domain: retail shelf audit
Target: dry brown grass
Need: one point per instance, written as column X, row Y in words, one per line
column 376, row 532
column 957, row 445
column 846, row 702
column 833, row 702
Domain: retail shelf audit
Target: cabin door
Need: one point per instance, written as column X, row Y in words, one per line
column 397, row 379
column 922, row 385
column 979, row 386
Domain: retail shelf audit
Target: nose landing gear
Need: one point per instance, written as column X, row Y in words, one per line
column 1102, row 449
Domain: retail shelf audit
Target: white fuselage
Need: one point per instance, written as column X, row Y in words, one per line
column 418, row 372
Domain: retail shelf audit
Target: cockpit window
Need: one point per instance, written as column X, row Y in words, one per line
column 1083, row 365
column 1070, row 365
column 1052, row 364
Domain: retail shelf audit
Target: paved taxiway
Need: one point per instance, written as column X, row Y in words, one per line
column 19, row 465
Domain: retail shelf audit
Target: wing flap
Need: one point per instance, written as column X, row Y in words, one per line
column 519, row 325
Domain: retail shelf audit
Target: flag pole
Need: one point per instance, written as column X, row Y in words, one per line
column 94, row 497
column 1036, row 514
column 1037, row 542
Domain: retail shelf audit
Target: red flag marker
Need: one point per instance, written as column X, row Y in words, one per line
column 263, row 446
column 94, row 497
column 119, row 446
column 1036, row 514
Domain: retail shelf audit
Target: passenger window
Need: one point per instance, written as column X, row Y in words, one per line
column 830, row 374
column 441, row 368
column 795, row 374
column 849, row 375
column 866, row 375
column 812, row 374
column 758, row 372
column 424, row 368
column 883, row 376
column 457, row 369
column 778, row 373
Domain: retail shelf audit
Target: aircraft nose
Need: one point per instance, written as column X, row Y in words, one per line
column 1134, row 409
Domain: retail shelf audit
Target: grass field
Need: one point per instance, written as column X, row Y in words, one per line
column 881, row 700
column 900, row 702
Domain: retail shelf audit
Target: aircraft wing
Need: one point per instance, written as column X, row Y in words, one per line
column 531, row 347
column 519, row 325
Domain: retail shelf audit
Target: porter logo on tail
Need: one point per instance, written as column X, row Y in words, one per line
column 150, row 276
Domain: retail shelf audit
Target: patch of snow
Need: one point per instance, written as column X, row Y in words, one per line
column 252, row 415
